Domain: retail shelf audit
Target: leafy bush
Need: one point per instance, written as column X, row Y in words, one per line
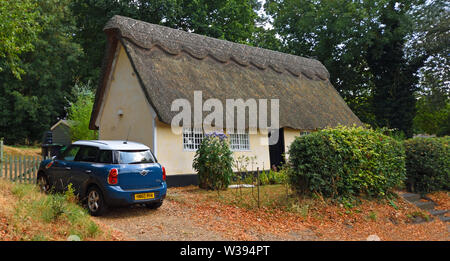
column 79, row 113
column 345, row 162
column 276, row 177
column 213, row 162
column 428, row 164
column 263, row 178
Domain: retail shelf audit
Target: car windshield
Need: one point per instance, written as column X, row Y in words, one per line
column 135, row 157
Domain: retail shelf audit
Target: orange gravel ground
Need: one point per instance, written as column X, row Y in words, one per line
column 323, row 222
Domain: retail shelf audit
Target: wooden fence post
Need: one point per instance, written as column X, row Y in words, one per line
column 257, row 182
column 10, row 167
column 28, row 173
column 36, row 166
column 1, row 157
column 1, row 150
column 16, row 168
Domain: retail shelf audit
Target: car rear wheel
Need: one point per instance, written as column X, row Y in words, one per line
column 43, row 184
column 95, row 202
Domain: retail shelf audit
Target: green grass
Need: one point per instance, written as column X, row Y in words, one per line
column 372, row 216
column 421, row 214
column 50, row 217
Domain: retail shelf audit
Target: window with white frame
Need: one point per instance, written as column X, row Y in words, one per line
column 239, row 140
column 192, row 138
column 303, row 133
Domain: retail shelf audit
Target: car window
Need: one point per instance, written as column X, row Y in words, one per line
column 135, row 157
column 70, row 153
column 87, row 154
column 105, row 156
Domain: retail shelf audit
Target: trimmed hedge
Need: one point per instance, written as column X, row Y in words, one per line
column 344, row 162
column 428, row 164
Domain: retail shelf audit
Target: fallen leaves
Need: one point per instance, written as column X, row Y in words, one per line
column 441, row 198
column 324, row 221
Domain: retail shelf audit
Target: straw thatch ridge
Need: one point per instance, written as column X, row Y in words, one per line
column 170, row 64
column 174, row 41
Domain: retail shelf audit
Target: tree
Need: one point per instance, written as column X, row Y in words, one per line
column 335, row 33
column 19, row 28
column 433, row 104
column 79, row 113
column 32, row 104
column 432, row 27
column 394, row 73
column 363, row 44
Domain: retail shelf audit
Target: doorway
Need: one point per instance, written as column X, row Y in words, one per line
column 276, row 151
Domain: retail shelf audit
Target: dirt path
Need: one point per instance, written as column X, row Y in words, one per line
column 180, row 221
column 169, row 222
column 189, row 215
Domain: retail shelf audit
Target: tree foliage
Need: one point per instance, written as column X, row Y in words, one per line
column 335, row 33
column 19, row 28
column 364, row 45
column 393, row 72
column 79, row 113
column 32, row 104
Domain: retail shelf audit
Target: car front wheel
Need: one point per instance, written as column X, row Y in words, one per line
column 95, row 202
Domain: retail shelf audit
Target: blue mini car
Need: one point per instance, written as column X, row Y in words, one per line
column 106, row 174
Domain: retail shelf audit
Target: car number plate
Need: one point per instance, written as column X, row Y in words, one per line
column 142, row 196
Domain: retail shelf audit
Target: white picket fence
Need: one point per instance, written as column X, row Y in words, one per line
column 22, row 169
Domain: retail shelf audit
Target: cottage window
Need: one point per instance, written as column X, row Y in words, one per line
column 239, row 140
column 303, row 133
column 192, row 138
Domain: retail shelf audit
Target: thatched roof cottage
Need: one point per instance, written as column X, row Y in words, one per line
column 147, row 67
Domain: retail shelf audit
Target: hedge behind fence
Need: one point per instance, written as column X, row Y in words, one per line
column 345, row 162
column 428, row 164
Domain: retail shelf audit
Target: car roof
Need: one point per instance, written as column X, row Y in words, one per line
column 113, row 144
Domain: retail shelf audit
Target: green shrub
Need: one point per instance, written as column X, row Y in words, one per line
column 213, row 162
column 276, row 177
column 344, row 162
column 263, row 178
column 428, row 164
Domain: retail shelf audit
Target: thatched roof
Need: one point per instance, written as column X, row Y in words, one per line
column 171, row 64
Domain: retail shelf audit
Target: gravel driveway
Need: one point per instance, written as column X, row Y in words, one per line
column 179, row 220
column 167, row 223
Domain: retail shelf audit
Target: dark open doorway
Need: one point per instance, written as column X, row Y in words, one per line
column 276, row 151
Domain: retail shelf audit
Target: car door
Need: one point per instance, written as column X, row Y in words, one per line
column 62, row 168
column 82, row 167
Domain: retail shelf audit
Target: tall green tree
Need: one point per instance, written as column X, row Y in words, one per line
column 364, row 46
column 433, row 103
column 30, row 105
column 432, row 27
column 335, row 33
column 395, row 80
column 19, row 28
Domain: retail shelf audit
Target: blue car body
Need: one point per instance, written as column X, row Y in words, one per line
column 120, row 183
